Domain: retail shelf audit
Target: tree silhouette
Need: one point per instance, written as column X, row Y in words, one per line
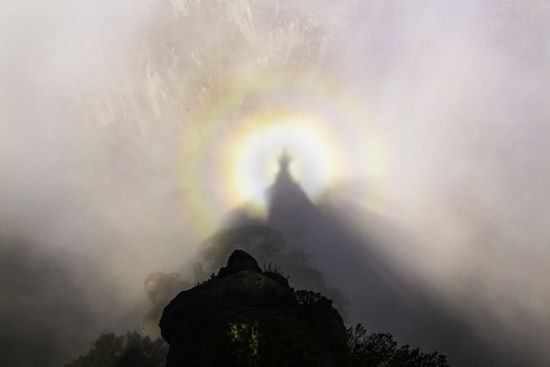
column 129, row 350
column 380, row 350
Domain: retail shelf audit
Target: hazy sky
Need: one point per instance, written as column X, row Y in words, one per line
column 129, row 130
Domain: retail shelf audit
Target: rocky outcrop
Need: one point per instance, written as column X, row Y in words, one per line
column 239, row 261
column 247, row 317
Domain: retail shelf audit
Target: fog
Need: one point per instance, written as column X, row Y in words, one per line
column 113, row 117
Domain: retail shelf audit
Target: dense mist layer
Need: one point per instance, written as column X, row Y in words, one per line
column 108, row 112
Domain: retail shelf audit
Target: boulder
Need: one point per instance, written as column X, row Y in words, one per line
column 239, row 261
column 243, row 317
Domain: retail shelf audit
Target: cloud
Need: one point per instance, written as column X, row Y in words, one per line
column 107, row 112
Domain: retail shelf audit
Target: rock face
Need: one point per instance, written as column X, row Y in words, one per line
column 246, row 317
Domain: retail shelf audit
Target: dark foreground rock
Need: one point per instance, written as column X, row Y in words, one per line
column 247, row 317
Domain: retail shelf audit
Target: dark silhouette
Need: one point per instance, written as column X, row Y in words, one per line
column 382, row 350
column 129, row 350
column 237, row 262
column 268, row 246
column 286, row 200
column 375, row 291
column 244, row 317
column 247, row 317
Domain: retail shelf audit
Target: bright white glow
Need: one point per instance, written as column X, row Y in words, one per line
column 256, row 160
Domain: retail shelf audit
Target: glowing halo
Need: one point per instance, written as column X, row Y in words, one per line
column 247, row 127
column 253, row 162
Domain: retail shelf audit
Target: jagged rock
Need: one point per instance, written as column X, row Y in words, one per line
column 244, row 317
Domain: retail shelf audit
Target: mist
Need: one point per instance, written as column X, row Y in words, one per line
column 112, row 114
